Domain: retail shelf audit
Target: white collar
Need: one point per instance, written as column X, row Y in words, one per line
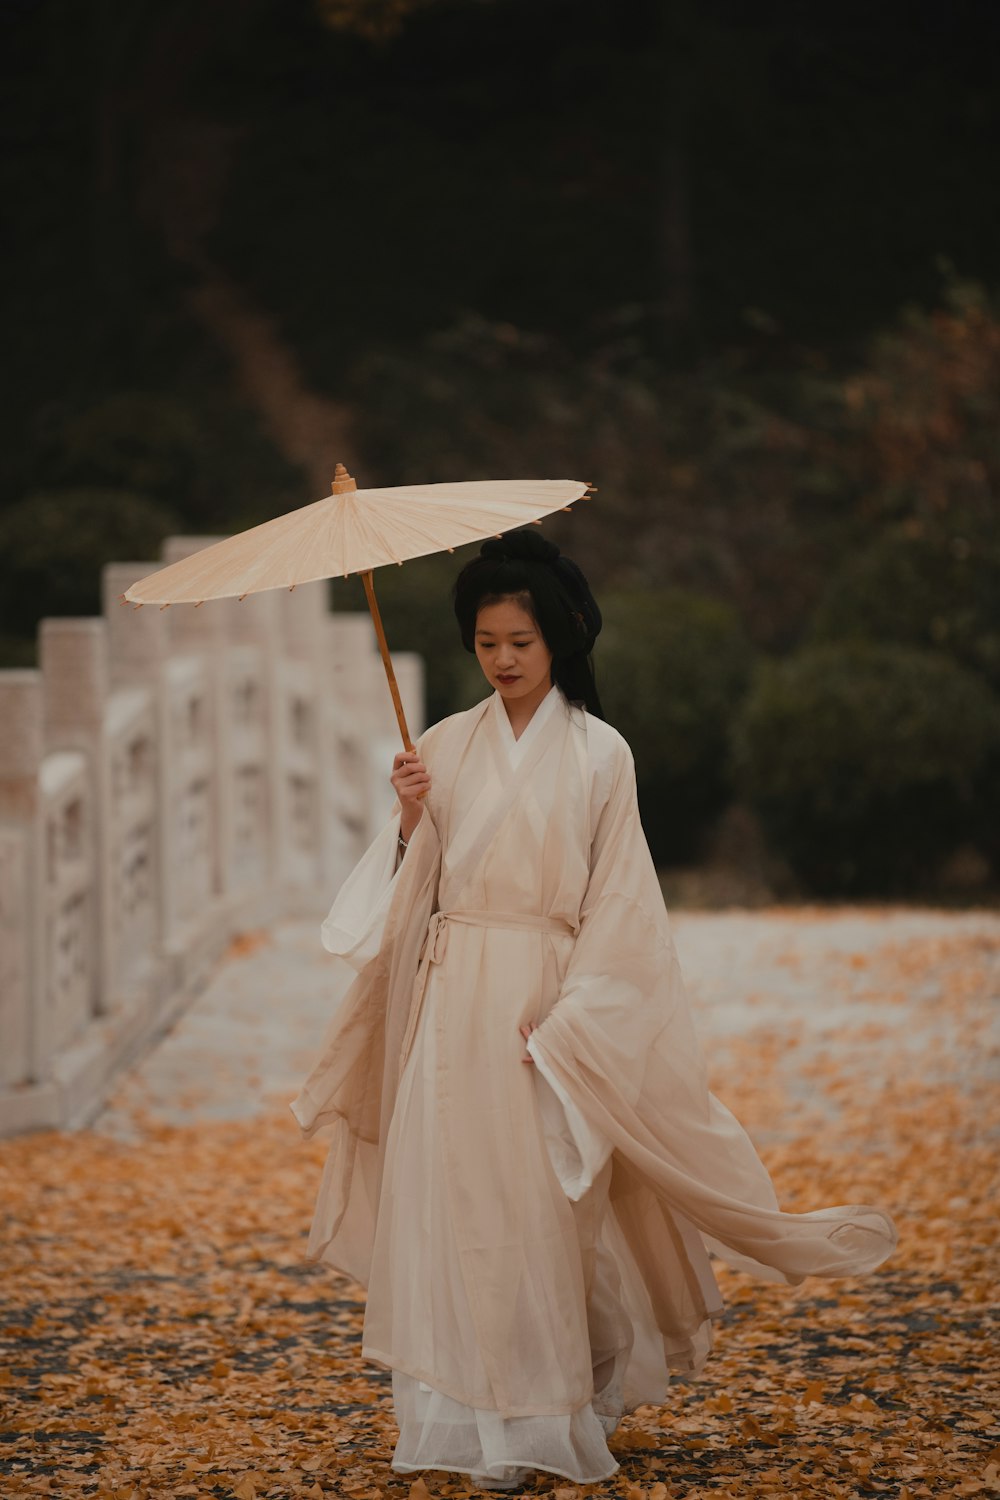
column 515, row 748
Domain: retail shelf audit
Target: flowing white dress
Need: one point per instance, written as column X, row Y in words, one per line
column 535, row 1240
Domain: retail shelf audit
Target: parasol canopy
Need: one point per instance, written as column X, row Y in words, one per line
column 354, row 531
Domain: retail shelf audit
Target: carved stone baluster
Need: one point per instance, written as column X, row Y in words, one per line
column 25, row 1034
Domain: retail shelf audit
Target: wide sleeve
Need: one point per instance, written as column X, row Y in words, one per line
column 577, row 1149
column 620, row 1043
column 355, row 923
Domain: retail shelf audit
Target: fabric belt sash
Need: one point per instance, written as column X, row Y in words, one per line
column 436, row 942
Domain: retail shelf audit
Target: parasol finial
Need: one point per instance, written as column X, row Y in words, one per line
column 342, row 482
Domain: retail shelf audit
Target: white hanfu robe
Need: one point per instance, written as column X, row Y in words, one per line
column 535, row 1240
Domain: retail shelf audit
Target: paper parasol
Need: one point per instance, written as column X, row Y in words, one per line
column 354, row 531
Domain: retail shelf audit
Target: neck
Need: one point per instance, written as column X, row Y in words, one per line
column 520, row 711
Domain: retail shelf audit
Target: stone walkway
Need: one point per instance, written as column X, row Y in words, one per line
column 244, row 1045
column 250, row 1038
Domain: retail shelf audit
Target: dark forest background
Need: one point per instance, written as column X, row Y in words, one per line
column 735, row 265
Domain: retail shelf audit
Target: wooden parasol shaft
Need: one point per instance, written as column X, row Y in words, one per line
column 383, row 646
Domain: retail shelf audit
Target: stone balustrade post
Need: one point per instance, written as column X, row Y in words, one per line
column 24, row 1033
column 201, row 634
column 357, row 678
column 302, row 806
column 73, row 655
column 139, row 649
column 253, row 708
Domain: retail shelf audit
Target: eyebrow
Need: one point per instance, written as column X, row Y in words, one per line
column 527, row 630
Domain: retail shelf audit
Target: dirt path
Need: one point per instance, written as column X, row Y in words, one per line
column 165, row 1336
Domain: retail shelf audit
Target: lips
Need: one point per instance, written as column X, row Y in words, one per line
column 506, row 680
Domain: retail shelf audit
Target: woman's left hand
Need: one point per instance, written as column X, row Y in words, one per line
column 526, row 1031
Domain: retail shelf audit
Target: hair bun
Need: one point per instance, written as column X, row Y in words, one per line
column 525, row 545
column 577, row 589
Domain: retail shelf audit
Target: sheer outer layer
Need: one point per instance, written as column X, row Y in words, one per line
column 528, row 892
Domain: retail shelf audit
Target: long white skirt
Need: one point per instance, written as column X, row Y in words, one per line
column 436, row 1432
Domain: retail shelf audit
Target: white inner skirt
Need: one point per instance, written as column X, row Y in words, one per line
column 436, row 1432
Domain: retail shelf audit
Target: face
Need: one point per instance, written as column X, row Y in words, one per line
column 511, row 651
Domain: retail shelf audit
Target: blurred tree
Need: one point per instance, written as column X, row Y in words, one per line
column 208, row 461
column 95, row 83
column 550, row 164
column 672, row 668
column 131, row 440
column 719, row 481
column 937, row 587
column 865, row 762
column 375, row 20
column 140, row 63
column 97, row 310
column 925, row 413
column 54, row 544
column 986, row 833
column 683, row 38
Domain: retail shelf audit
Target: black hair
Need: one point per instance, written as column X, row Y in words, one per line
column 528, row 567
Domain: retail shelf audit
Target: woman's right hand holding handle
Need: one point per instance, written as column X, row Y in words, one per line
column 411, row 784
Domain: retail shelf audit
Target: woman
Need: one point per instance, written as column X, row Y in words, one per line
column 527, row 1168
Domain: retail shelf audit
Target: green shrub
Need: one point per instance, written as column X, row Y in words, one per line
column 863, row 761
column 986, row 830
column 671, row 670
column 143, row 443
column 53, row 546
column 206, row 456
column 939, row 588
column 18, row 651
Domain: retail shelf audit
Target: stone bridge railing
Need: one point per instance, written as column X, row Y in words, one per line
column 167, row 779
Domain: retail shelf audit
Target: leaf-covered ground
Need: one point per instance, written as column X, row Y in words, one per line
column 162, row 1335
